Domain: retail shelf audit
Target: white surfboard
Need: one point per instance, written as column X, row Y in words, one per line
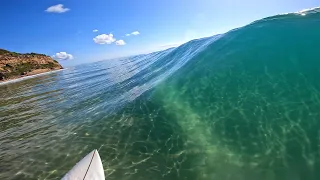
column 89, row 168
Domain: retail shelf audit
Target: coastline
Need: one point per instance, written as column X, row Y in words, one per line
column 31, row 75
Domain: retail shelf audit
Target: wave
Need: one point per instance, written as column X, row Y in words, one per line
column 243, row 105
column 239, row 105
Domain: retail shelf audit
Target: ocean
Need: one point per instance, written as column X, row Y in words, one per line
column 243, row 105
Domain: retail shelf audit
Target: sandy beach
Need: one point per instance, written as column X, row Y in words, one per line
column 34, row 73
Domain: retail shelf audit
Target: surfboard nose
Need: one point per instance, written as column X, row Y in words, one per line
column 89, row 168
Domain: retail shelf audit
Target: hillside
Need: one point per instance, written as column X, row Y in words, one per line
column 14, row 65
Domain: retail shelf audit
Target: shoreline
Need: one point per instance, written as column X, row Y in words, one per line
column 28, row 77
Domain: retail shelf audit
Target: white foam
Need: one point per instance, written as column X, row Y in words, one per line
column 304, row 12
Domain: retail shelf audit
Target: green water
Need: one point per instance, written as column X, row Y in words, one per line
column 244, row 105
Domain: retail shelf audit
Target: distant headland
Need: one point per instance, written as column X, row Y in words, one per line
column 15, row 65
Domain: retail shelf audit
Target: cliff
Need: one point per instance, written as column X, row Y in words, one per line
column 14, row 65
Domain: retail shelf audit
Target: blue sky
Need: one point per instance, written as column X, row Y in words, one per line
column 32, row 26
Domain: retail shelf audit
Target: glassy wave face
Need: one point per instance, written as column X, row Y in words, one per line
column 244, row 105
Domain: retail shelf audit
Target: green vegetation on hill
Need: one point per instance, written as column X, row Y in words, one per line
column 23, row 68
column 9, row 53
column 13, row 65
column 2, row 51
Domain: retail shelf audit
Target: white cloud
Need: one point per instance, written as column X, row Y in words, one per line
column 120, row 43
column 57, row 9
column 104, row 39
column 95, row 30
column 135, row 33
column 62, row 56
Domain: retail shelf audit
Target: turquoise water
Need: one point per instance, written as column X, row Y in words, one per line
column 243, row 105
